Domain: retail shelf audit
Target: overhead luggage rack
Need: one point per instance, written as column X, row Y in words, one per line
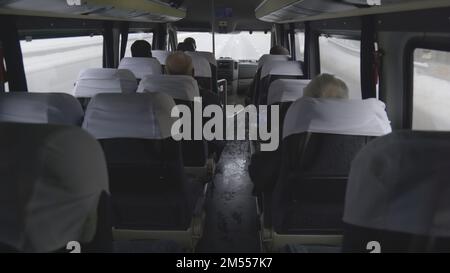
column 131, row 10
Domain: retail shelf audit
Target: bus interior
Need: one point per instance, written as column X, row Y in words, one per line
column 90, row 160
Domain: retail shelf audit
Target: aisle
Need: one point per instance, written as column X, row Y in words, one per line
column 231, row 221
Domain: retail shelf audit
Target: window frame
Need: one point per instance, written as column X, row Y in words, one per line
column 408, row 77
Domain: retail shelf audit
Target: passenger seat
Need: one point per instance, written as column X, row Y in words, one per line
column 183, row 89
column 54, row 190
column 51, row 108
column 152, row 199
column 320, row 139
column 141, row 67
column 398, row 195
column 202, row 71
column 94, row 81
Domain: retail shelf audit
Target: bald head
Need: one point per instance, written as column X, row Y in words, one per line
column 179, row 63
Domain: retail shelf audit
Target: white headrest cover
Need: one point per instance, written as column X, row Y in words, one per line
column 208, row 55
column 282, row 68
column 53, row 108
column 141, row 67
column 337, row 116
column 161, row 55
column 104, row 80
column 201, row 65
column 400, row 183
column 286, row 90
column 267, row 57
column 51, row 197
column 145, row 116
column 178, row 87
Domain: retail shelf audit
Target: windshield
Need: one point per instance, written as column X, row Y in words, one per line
column 238, row 46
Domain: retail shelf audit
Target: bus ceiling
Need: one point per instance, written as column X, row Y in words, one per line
column 119, row 10
column 287, row 11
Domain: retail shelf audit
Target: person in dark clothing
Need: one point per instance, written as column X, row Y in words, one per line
column 141, row 48
column 191, row 41
column 185, row 47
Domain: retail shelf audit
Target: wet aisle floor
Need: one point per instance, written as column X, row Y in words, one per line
column 231, row 219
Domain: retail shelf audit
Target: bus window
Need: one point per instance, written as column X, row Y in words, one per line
column 300, row 46
column 341, row 57
column 133, row 37
column 202, row 39
column 431, row 94
column 53, row 65
column 238, row 46
column 243, row 46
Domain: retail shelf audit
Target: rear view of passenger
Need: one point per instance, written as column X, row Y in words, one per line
column 397, row 194
column 45, row 108
column 320, row 139
column 150, row 193
column 54, row 190
column 141, row 67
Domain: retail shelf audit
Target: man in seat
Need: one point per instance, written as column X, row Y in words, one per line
column 142, row 49
column 264, row 166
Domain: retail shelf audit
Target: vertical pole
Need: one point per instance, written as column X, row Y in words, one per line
column 15, row 71
column 213, row 25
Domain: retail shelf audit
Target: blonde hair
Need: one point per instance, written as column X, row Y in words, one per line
column 326, row 86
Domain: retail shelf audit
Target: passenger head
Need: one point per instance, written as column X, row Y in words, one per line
column 279, row 50
column 141, row 48
column 185, row 47
column 179, row 63
column 191, row 41
column 326, row 86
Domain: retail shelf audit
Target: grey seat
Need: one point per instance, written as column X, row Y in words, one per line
column 202, row 71
column 397, row 194
column 141, row 67
column 320, row 139
column 95, row 81
column 183, row 89
column 52, row 108
column 151, row 196
column 54, row 189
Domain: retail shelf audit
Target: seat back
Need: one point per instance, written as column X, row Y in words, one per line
column 54, row 189
column 103, row 80
column 179, row 87
column 161, row 56
column 202, row 70
column 183, row 89
column 214, row 70
column 397, row 194
column 148, row 186
column 141, row 67
column 274, row 70
column 52, row 108
column 320, row 139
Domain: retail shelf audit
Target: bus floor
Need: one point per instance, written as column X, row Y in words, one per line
column 231, row 213
column 231, row 216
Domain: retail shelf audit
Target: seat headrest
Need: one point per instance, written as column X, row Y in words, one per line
column 161, row 55
column 141, row 67
column 201, row 65
column 286, row 90
column 208, row 55
column 337, row 116
column 52, row 180
column 145, row 116
column 282, row 68
column 104, row 80
column 179, row 87
column 400, row 183
column 267, row 57
column 53, row 108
